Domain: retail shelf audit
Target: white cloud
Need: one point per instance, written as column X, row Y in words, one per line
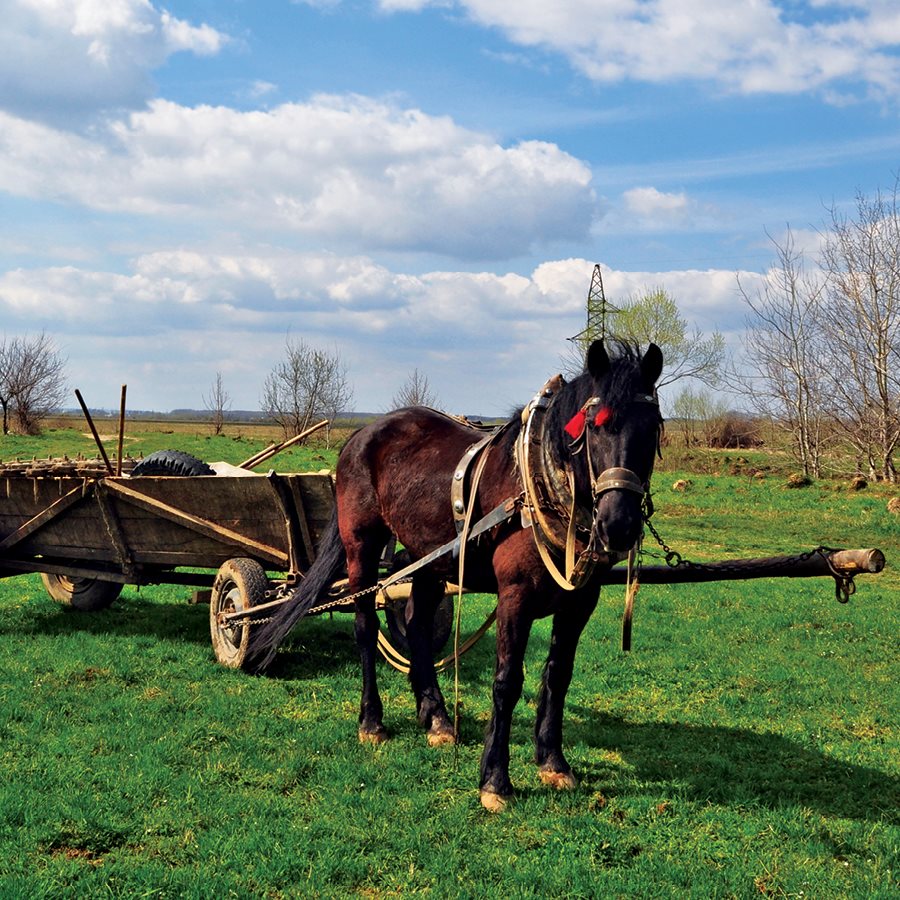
column 62, row 60
column 649, row 203
column 770, row 46
column 347, row 169
column 487, row 341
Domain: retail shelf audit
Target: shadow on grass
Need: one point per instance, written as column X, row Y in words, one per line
column 319, row 645
column 127, row 617
column 733, row 767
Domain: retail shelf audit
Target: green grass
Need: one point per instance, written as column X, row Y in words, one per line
column 748, row 746
column 236, row 445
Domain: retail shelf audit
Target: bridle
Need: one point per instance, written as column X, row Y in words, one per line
column 617, row 477
column 550, row 507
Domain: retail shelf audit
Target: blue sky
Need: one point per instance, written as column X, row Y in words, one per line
column 415, row 184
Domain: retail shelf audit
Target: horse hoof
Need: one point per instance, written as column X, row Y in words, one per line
column 493, row 802
column 441, row 737
column 562, row 781
column 376, row 736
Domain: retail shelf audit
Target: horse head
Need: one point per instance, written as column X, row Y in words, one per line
column 619, row 440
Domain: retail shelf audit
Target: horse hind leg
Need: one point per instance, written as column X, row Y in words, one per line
column 431, row 708
column 362, row 571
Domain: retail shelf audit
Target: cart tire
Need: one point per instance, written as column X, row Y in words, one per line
column 395, row 617
column 240, row 584
column 171, row 462
column 85, row 594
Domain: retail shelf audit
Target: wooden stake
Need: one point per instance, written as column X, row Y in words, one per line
column 97, row 440
column 121, row 429
column 270, row 451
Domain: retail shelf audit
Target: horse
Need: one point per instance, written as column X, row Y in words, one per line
column 393, row 481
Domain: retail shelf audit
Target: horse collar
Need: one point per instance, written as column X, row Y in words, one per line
column 549, row 506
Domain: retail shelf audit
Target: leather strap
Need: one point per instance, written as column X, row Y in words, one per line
column 458, row 484
column 618, row 478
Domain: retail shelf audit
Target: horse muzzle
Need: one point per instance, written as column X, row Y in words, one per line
column 617, row 519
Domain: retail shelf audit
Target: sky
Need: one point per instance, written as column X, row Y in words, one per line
column 185, row 187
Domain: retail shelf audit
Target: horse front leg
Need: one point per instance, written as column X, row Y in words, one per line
column 568, row 624
column 513, row 628
column 431, row 709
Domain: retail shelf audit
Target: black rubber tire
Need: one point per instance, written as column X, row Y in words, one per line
column 84, row 594
column 171, row 462
column 240, row 584
column 395, row 617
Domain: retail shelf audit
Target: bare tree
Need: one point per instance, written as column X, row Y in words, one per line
column 307, row 384
column 32, row 381
column 693, row 408
column 861, row 260
column 217, row 402
column 785, row 350
column 416, row 391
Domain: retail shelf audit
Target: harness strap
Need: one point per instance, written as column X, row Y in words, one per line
column 617, row 479
column 458, row 485
column 499, row 514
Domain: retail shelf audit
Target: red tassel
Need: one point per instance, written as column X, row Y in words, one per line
column 575, row 426
column 604, row 414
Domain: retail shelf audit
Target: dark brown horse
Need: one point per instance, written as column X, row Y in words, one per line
column 394, row 478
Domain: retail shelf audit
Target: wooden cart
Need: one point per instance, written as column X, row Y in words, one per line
column 245, row 538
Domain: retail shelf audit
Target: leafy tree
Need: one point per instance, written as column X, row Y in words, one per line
column 32, row 381
column 307, row 384
column 655, row 317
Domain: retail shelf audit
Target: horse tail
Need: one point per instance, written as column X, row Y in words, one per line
column 321, row 575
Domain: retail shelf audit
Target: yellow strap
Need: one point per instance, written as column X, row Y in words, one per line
column 463, row 540
column 631, row 588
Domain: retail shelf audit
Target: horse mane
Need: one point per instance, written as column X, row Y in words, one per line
column 616, row 390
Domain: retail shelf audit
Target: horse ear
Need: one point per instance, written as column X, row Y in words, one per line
column 651, row 364
column 597, row 359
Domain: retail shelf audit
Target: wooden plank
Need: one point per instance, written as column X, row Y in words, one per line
column 198, row 524
column 21, row 566
column 308, row 544
column 47, row 515
column 274, row 449
column 317, row 492
column 244, row 505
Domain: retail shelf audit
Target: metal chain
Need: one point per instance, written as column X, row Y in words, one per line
column 321, row 608
column 844, row 585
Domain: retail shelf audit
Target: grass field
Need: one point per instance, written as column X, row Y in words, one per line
column 748, row 746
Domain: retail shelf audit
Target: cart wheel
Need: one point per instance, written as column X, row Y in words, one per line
column 395, row 616
column 171, row 462
column 85, row 594
column 240, row 585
